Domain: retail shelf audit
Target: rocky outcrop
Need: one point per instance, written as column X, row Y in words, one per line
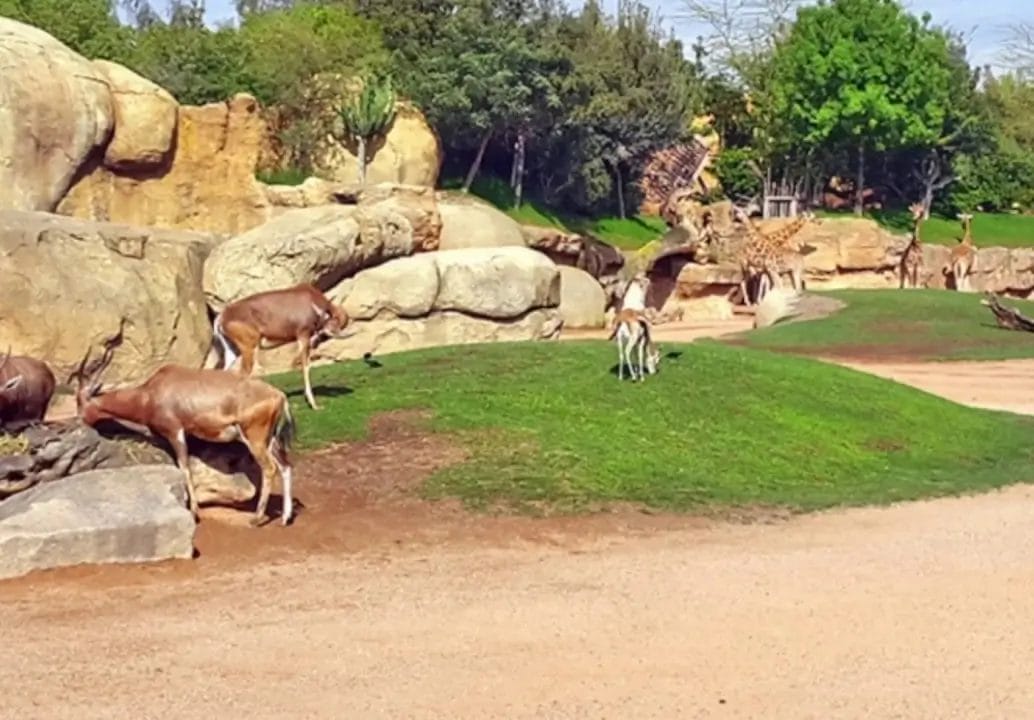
column 223, row 474
column 208, row 183
column 322, row 245
column 444, row 298
column 582, row 300
column 584, row 252
column 472, row 223
column 67, row 282
column 145, row 120
column 124, row 515
column 55, row 111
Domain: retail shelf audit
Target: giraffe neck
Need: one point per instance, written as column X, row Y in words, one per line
column 916, row 239
column 782, row 236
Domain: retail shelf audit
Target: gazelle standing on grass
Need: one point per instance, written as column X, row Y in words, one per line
column 213, row 405
column 632, row 330
column 273, row 318
column 960, row 264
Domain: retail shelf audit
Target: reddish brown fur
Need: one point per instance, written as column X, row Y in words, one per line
column 212, row 405
column 276, row 317
column 24, row 401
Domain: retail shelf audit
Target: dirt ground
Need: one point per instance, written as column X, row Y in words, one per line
column 374, row 604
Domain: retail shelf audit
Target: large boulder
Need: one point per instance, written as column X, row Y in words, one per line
column 323, row 244
column 145, row 120
column 582, row 300
column 443, row 298
column 67, row 282
column 409, row 153
column 55, row 110
column 125, row 515
column 207, row 183
column 472, row 223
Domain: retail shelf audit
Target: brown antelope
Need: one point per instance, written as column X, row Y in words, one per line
column 213, row 405
column 273, row 318
column 960, row 264
column 26, row 387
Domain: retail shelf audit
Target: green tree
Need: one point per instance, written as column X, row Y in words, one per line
column 367, row 115
column 90, row 27
column 863, row 76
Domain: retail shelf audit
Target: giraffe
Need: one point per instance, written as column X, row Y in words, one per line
column 768, row 256
column 912, row 260
column 960, row 265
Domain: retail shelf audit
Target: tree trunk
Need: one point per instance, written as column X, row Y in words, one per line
column 621, row 191
column 859, row 182
column 476, row 165
column 518, row 163
column 362, row 160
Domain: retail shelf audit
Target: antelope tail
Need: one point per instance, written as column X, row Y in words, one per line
column 285, row 429
column 778, row 304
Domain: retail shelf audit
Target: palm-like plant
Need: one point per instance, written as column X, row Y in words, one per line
column 368, row 114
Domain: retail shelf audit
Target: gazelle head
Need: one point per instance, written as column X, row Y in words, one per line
column 653, row 358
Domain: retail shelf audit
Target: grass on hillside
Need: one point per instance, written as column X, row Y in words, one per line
column 549, row 427
column 989, row 229
column 901, row 324
column 630, row 233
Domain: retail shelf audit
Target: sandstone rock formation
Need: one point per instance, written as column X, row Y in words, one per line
column 208, row 183
column 124, row 515
column 55, row 110
column 66, row 283
column 582, row 300
column 472, row 223
column 145, row 120
column 323, row 244
column 409, row 153
column 445, row 297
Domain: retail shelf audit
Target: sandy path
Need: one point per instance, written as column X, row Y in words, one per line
column 918, row 611
column 915, row 611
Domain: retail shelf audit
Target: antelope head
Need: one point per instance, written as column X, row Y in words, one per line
column 88, row 375
column 333, row 324
column 11, row 383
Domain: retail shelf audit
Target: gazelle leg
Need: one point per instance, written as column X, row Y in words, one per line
column 258, row 447
column 179, row 445
column 303, row 353
column 247, row 339
column 642, row 356
column 621, row 359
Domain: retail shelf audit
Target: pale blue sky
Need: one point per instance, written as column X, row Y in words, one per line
column 982, row 21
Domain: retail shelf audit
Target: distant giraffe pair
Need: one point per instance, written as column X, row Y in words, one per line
column 960, row 262
column 765, row 257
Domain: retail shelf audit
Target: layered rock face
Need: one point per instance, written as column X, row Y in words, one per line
column 204, row 181
column 68, row 282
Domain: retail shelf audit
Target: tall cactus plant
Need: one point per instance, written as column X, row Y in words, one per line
column 369, row 114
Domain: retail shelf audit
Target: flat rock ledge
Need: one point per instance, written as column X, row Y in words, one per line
column 121, row 515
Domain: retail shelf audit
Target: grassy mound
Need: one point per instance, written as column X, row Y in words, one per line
column 629, row 233
column 989, row 229
column 901, row 325
column 549, row 426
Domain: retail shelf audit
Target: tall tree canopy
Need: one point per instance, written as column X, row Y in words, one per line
column 861, row 76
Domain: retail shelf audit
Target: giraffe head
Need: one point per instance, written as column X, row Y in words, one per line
column 917, row 210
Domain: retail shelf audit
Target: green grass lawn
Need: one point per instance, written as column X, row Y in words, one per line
column 901, row 324
column 989, row 229
column 630, row 233
column 549, row 427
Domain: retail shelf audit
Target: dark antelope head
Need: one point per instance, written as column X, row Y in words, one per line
column 88, row 375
